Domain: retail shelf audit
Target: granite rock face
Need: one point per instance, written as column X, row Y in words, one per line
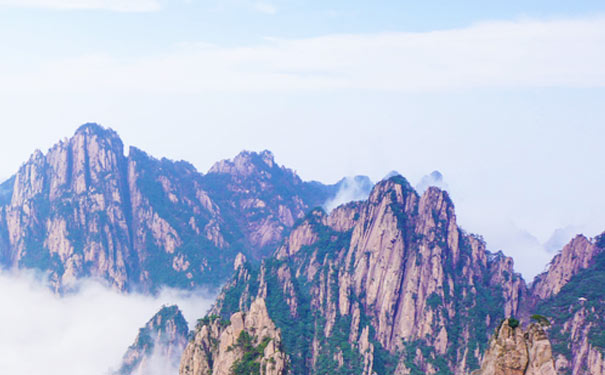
column 576, row 307
column 248, row 343
column 85, row 209
column 514, row 351
column 392, row 285
column 577, row 255
column 389, row 285
column 158, row 346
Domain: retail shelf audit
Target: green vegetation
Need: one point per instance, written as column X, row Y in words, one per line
column 249, row 364
column 308, row 323
column 433, row 301
column 513, row 323
column 540, row 319
column 209, row 319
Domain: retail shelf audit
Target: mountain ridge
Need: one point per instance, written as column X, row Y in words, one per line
column 347, row 278
column 87, row 209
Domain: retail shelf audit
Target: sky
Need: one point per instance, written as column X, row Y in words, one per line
column 505, row 99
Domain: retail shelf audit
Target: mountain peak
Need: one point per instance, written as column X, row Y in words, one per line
column 93, row 128
column 395, row 184
column 161, row 340
column 107, row 137
column 248, row 163
column 577, row 255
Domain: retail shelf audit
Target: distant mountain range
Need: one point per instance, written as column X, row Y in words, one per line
column 85, row 209
column 386, row 284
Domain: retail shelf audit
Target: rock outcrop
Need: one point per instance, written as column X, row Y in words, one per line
column 84, row 209
column 249, row 343
column 158, row 347
column 514, row 351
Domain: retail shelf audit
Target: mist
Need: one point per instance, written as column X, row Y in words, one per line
column 86, row 332
column 351, row 189
column 435, row 178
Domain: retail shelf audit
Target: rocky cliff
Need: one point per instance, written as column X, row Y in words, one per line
column 577, row 306
column 248, row 343
column 158, row 346
column 577, row 255
column 85, row 209
column 389, row 285
column 515, row 351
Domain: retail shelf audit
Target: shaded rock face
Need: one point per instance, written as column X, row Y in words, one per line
column 513, row 351
column 262, row 198
column 84, row 209
column 390, row 285
column 249, row 343
column 577, row 309
column 577, row 255
column 158, row 346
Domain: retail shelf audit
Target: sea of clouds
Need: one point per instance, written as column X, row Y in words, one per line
column 81, row 333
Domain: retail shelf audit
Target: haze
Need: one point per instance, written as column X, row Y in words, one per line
column 506, row 102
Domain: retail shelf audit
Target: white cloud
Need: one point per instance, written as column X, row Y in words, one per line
column 351, row 189
column 529, row 255
column 83, row 333
column 265, row 8
column 435, row 178
column 111, row 5
column 525, row 53
column 560, row 237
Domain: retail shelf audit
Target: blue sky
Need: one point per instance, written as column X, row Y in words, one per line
column 42, row 28
column 504, row 98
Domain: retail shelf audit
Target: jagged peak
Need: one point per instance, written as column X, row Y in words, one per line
column 240, row 261
column 248, row 163
column 433, row 193
column 396, row 183
column 36, row 156
column 106, row 136
column 94, row 128
column 168, row 311
column 166, row 332
column 493, row 257
column 580, row 253
column 159, row 322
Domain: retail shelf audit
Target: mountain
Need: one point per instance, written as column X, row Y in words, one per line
column 388, row 285
column 85, row 209
column 385, row 284
column 158, row 346
column 392, row 285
